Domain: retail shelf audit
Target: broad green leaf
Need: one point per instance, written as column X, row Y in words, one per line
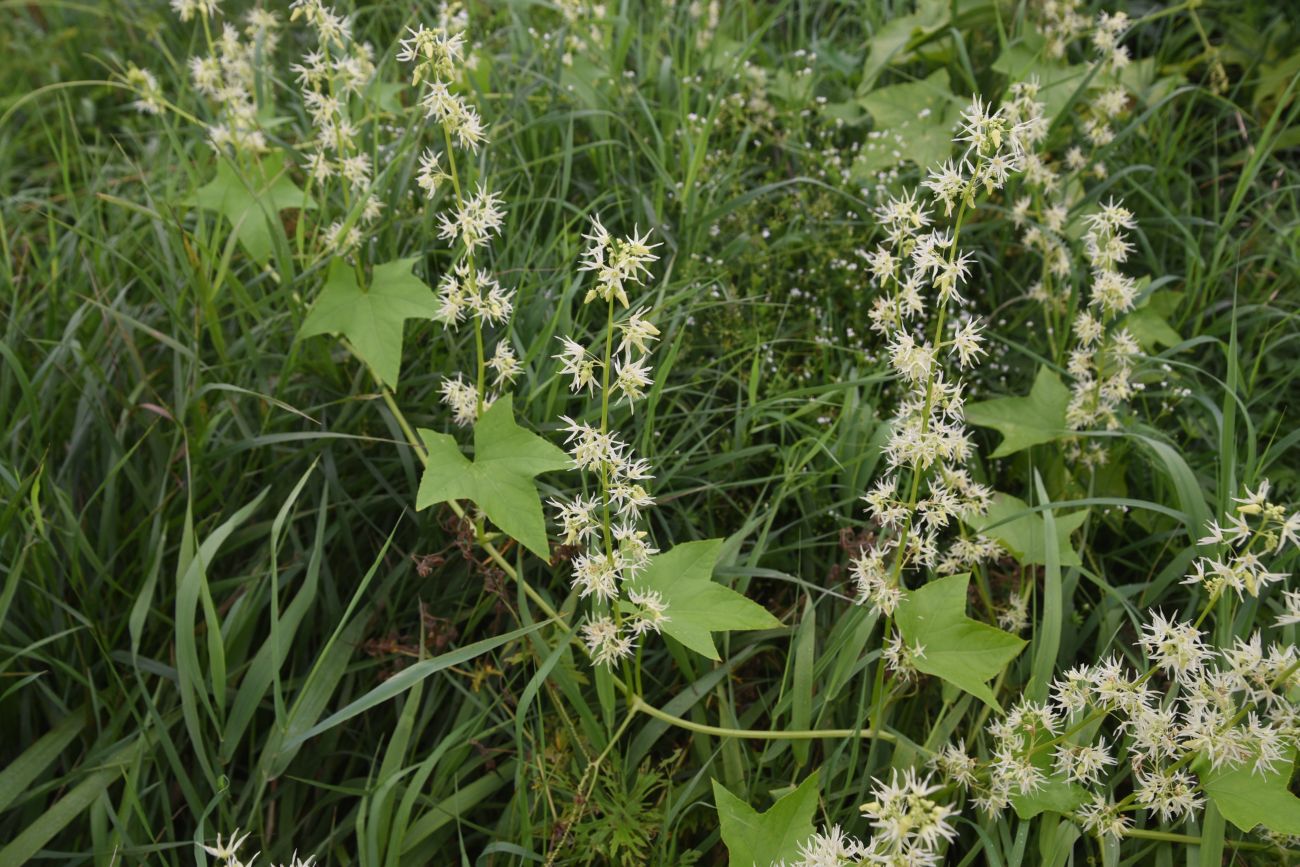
column 790, row 88
column 250, row 202
column 1024, row 536
column 758, row 838
column 1149, row 324
column 1142, row 78
column 962, row 651
column 698, row 605
column 388, row 95
column 372, row 318
column 912, row 121
column 1248, row 799
column 499, row 479
column 585, row 82
column 848, row 113
column 1053, row 796
column 1057, row 81
column 1025, row 421
column 890, row 42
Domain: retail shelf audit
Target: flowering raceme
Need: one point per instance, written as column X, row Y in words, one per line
column 1194, row 710
column 612, row 548
column 227, row 853
column 1052, row 209
column 921, row 276
column 909, row 827
column 466, row 291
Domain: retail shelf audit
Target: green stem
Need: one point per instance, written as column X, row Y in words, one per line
column 638, row 705
column 1168, row 837
column 604, row 427
column 482, row 364
column 480, row 378
column 878, row 689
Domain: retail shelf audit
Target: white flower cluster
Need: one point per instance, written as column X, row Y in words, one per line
column 1193, row 707
column 145, row 83
column 334, row 80
column 585, row 25
column 1104, row 354
column 1043, row 211
column 466, row 292
column 438, row 58
column 921, row 279
column 1230, row 707
column 187, row 9
column 227, row 852
column 1063, row 22
column 329, row 76
column 227, row 75
column 1254, row 526
column 605, row 527
column 910, row 827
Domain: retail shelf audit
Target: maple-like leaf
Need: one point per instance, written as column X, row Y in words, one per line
column 773, row 836
column 1248, row 798
column 698, row 605
column 962, row 651
column 372, row 318
column 890, row 43
column 499, row 479
column 1025, row 421
column 1027, row 59
column 1009, row 521
column 922, row 113
column 251, row 201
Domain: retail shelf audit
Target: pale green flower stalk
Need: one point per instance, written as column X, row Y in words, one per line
column 921, row 276
column 1102, row 355
column 465, row 291
column 606, row 528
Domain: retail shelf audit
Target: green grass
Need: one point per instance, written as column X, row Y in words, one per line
column 218, row 607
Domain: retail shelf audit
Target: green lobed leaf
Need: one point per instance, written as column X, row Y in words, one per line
column 1024, row 536
column 698, row 605
column 1025, row 421
column 916, row 121
column 764, row 838
column 962, row 651
column 890, row 43
column 499, row 479
column 1149, row 324
column 372, row 318
column 1053, row 796
column 1057, row 81
column 1248, row 799
column 249, row 202
column 1144, row 80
